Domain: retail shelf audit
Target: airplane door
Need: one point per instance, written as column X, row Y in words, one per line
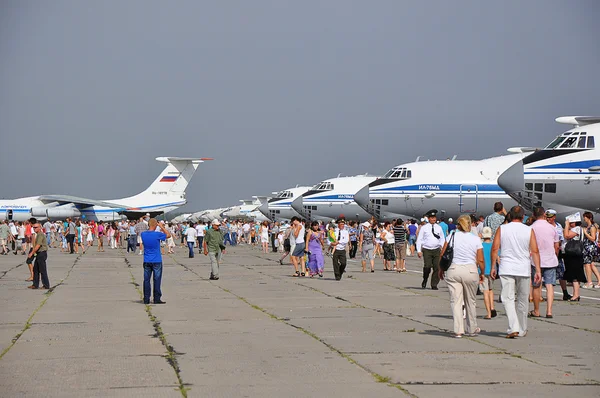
column 467, row 198
column 308, row 212
column 9, row 214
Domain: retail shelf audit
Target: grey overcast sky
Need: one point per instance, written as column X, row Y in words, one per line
column 279, row 92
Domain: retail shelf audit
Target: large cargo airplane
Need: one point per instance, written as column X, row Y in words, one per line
column 566, row 173
column 165, row 194
column 280, row 207
column 453, row 187
column 333, row 198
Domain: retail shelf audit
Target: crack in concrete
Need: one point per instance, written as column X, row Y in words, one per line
column 28, row 323
column 10, row 269
column 504, row 351
column 171, row 356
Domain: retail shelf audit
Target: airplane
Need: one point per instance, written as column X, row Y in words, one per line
column 280, row 207
column 566, row 173
column 248, row 207
column 333, row 198
column 165, row 194
column 181, row 218
column 453, row 187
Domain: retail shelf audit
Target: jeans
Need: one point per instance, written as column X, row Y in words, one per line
column 200, row 242
column 39, row 268
column 191, row 249
column 515, row 298
column 227, row 239
column 215, row 259
column 353, row 248
column 273, row 247
column 48, row 237
column 233, row 238
column 149, row 270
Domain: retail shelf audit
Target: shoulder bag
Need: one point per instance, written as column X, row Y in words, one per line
column 574, row 248
column 446, row 259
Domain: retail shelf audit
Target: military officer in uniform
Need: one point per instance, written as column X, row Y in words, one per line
column 430, row 241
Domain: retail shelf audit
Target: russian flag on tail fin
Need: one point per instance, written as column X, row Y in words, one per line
column 169, row 178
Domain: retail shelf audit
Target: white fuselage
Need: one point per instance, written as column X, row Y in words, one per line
column 453, row 187
column 21, row 209
column 333, row 198
column 566, row 173
column 280, row 208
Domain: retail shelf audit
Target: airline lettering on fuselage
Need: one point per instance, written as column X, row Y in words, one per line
column 429, row 187
column 14, row 207
column 346, row 196
column 159, row 192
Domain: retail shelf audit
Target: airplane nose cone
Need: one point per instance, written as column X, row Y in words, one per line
column 298, row 205
column 362, row 197
column 512, row 181
column 264, row 209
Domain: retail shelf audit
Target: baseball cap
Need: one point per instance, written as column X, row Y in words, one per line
column 486, row 233
column 215, row 222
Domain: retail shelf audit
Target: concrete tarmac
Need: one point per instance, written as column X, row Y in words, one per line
column 259, row 332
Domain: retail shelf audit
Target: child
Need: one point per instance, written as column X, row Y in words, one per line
column 486, row 286
column 331, row 239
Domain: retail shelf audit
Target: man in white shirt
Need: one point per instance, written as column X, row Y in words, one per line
column 200, row 229
column 342, row 238
column 246, row 231
column 191, row 235
column 430, row 241
column 518, row 246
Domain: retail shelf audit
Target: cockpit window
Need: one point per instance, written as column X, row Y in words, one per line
column 399, row 173
column 557, row 141
column 570, row 142
column 323, row 186
column 284, row 194
column 581, row 142
column 590, row 143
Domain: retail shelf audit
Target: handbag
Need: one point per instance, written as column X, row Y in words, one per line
column 574, row 248
column 446, row 259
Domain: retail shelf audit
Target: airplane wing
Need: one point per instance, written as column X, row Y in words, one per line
column 79, row 202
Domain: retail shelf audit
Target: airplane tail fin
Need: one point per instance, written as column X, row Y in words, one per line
column 174, row 179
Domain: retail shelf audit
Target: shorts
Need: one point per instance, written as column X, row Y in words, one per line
column 139, row 239
column 400, row 248
column 299, row 250
column 367, row 252
column 548, row 276
column 412, row 239
column 488, row 283
column 2, row 241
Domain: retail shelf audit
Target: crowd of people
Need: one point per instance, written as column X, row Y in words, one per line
column 524, row 253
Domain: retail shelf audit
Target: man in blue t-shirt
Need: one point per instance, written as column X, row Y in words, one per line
column 152, row 258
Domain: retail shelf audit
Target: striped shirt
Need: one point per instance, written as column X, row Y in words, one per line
column 399, row 234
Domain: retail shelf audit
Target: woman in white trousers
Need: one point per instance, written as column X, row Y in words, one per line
column 462, row 277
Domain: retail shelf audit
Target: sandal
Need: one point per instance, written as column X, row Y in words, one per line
column 475, row 333
column 494, row 313
column 303, row 274
column 533, row 315
column 297, row 274
column 487, row 317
